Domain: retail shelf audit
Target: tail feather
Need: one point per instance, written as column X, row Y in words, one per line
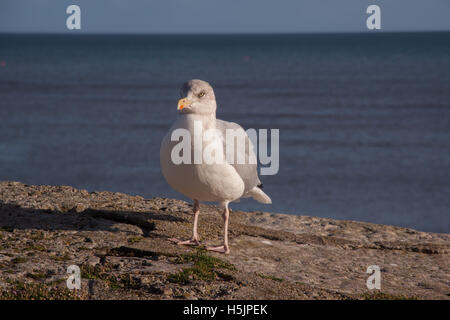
column 259, row 195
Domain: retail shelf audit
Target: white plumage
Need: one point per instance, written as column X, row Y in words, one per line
column 221, row 182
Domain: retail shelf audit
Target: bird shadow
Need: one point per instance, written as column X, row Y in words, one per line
column 14, row 216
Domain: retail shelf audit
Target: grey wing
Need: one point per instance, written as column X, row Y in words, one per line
column 248, row 170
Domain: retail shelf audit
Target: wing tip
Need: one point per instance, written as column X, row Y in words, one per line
column 260, row 196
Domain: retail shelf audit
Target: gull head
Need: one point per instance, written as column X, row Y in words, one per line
column 197, row 97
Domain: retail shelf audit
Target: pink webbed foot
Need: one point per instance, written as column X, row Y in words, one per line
column 192, row 242
column 220, row 249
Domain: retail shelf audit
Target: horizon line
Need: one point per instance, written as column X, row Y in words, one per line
column 74, row 32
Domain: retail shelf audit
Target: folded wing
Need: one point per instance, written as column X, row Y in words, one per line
column 248, row 171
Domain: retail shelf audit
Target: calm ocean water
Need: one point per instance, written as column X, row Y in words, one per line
column 364, row 119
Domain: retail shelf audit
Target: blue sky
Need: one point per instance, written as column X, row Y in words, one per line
column 222, row 16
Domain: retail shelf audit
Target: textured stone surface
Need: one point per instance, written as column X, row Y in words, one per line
column 120, row 243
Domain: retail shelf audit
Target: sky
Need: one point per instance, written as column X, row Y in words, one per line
column 223, row 16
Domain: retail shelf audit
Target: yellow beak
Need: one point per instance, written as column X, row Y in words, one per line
column 182, row 103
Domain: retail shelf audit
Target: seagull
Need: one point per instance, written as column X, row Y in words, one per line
column 221, row 181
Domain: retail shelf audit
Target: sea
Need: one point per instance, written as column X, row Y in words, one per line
column 363, row 119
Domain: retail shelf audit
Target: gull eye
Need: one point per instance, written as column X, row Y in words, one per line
column 201, row 94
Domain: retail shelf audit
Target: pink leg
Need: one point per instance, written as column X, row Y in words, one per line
column 224, row 248
column 195, row 239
